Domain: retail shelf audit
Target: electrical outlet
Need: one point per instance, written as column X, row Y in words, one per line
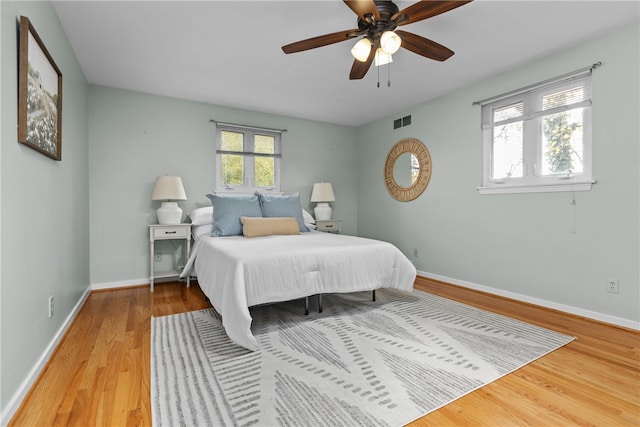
column 163, row 262
column 613, row 286
column 415, row 252
column 51, row 306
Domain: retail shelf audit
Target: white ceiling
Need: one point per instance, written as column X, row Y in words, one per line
column 228, row 52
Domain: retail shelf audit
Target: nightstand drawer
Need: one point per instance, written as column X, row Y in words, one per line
column 178, row 232
column 330, row 226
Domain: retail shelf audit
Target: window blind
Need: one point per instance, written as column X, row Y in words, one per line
column 238, row 128
column 249, row 153
column 249, row 127
column 520, row 104
column 550, row 98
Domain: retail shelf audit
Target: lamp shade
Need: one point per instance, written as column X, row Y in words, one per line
column 390, row 42
column 361, row 50
column 322, row 192
column 168, row 188
column 382, row 58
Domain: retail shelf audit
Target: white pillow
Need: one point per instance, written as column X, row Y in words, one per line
column 201, row 230
column 201, row 216
column 309, row 221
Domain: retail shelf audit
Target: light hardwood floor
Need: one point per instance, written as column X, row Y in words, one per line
column 99, row 375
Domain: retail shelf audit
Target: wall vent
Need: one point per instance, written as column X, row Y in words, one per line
column 405, row 121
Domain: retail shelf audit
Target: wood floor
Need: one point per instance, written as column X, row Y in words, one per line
column 99, row 375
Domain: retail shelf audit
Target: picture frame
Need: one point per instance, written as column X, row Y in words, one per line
column 39, row 94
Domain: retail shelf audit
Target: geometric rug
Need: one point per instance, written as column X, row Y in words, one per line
column 359, row 363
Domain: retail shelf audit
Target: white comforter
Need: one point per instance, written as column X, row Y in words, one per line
column 237, row 272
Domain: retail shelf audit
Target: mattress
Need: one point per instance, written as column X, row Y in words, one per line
column 237, row 272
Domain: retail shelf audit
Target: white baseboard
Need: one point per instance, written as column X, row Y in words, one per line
column 129, row 283
column 601, row 317
column 120, row 284
column 15, row 401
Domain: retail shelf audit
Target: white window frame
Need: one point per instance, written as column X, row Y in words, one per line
column 249, row 156
column 532, row 181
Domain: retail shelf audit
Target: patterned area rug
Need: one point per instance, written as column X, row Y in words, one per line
column 359, row 363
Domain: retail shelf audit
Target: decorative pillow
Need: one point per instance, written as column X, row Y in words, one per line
column 227, row 211
column 283, row 206
column 256, row 227
column 201, row 230
column 309, row 220
column 201, row 216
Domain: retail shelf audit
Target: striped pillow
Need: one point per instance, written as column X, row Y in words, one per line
column 255, row 227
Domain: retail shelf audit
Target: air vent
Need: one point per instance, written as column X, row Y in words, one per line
column 405, row 121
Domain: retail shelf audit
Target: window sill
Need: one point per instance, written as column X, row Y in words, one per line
column 536, row 188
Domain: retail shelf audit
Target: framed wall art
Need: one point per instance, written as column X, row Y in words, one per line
column 39, row 94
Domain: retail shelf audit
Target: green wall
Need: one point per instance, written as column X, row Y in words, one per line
column 520, row 243
column 45, row 207
column 136, row 137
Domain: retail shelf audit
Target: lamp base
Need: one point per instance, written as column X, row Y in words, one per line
column 322, row 212
column 169, row 213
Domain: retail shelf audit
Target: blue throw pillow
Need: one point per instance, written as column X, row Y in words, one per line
column 283, row 206
column 227, row 211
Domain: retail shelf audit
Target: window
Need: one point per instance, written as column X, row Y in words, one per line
column 247, row 159
column 539, row 139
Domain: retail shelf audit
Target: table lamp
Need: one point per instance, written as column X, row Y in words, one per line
column 322, row 194
column 169, row 188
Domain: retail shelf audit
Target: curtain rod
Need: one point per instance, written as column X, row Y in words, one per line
column 526, row 88
column 218, row 124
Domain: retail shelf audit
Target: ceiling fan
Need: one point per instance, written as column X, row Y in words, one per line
column 377, row 23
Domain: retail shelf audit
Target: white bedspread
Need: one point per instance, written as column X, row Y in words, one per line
column 237, row 272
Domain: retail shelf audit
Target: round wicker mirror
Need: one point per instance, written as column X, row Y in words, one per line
column 418, row 167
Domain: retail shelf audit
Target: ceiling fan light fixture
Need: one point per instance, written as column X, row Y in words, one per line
column 390, row 42
column 361, row 50
column 382, row 58
column 379, row 38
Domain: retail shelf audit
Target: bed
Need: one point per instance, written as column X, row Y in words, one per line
column 236, row 272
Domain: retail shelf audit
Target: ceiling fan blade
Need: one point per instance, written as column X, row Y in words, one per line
column 362, row 8
column 425, row 47
column 320, row 41
column 426, row 9
column 359, row 69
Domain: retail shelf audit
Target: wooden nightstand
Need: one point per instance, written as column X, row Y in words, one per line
column 167, row 232
column 330, row 226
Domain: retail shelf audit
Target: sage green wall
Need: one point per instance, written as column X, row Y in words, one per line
column 45, row 207
column 520, row 243
column 136, row 137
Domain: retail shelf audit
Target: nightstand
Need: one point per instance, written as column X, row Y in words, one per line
column 167, row 232
column 329, row 226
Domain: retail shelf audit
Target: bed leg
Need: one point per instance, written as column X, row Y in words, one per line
column 306, row 306
column 373, row 295
column 319, row 303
